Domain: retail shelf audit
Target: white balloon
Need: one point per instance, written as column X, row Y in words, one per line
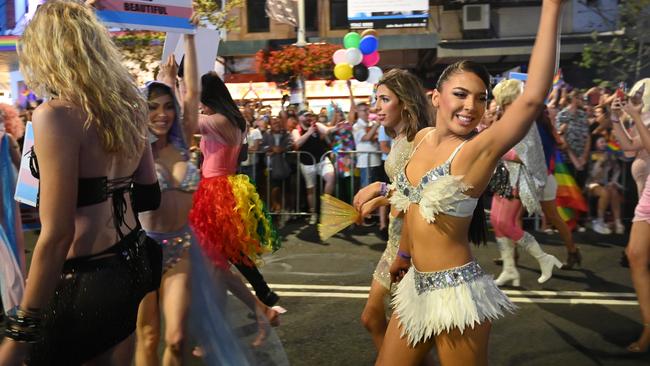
column 339, row 56
column 353, row 56
column 374, row 75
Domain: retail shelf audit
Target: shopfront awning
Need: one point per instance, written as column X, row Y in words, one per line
column 392, row 42
column 507, row 49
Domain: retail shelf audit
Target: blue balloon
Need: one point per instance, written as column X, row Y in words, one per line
column 368, row 44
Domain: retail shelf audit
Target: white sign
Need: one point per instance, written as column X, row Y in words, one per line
column 207, row 46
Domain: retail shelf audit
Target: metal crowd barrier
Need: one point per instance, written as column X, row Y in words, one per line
column 351, row 165
column 262, row 159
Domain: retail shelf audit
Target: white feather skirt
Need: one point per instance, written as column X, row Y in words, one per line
column 429, row 303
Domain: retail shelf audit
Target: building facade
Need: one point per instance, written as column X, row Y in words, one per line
column 497, row 33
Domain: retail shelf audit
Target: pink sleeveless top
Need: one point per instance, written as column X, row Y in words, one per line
column 219, row 157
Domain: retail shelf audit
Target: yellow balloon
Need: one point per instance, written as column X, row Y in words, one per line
column 343, row 71
column 369, row 32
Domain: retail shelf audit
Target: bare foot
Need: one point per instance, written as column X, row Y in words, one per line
column 265, row 316
column 641, row 345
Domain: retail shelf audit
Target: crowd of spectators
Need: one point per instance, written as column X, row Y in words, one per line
column 298, row 154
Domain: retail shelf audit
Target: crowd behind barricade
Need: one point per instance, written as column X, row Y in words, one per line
column 298, row 153
column 345, row 151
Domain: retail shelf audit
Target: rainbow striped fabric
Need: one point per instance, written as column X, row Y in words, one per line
column 8, row 43
column 570, row 201
column 557, row 78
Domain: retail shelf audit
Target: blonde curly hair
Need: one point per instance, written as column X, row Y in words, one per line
column 646, row 93
column 506, row 91
column 66, row 53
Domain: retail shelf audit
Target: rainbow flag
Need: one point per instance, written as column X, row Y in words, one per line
column 613, row 146
column 558, row 78
column 8, row 43
column 569, row 199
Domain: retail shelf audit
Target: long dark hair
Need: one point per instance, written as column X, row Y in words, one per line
column 215, row 95
column 477, row 233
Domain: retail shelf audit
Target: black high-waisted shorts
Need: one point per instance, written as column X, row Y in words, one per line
column 96, row 303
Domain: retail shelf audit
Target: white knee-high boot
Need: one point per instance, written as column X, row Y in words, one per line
column 509, row 272
column 546, row 261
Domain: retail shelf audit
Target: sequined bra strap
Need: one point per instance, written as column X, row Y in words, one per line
column 454, row 153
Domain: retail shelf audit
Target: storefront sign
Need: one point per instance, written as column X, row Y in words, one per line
column 363, row 14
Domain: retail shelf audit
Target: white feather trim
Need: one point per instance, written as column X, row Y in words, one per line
column 397, row 199
column 441, row 196
column 433, row 312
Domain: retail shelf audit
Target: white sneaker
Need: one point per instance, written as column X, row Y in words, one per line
column 619, row 228
column 581, row 229
column 312, row 219
column 600, row 227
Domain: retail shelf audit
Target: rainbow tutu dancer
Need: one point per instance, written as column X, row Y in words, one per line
column 227, row 215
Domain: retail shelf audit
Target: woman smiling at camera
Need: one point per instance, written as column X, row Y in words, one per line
column 444, row 297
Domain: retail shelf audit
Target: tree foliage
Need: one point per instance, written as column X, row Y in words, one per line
column 624, row 56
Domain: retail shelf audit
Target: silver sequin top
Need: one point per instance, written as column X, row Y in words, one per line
column 395, row 163
column 530, row 176
column 398, row 156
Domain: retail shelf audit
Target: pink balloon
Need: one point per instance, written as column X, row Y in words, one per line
column 339, row 56
column 371, row 59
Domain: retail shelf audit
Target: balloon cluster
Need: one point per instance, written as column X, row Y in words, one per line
column 358, row 57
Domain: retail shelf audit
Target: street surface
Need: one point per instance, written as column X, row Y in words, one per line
column 581, row 317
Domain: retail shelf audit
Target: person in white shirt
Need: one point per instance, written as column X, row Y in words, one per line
column 254, row 140
column 365, row 137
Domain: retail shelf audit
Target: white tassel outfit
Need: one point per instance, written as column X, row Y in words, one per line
column 429, row 303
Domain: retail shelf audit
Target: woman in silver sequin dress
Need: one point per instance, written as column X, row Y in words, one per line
column 402, row 108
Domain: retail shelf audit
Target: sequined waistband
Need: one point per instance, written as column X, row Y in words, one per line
column 184, row 232
column 453, row 277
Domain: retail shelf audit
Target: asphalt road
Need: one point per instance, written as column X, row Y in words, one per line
column 581, row 317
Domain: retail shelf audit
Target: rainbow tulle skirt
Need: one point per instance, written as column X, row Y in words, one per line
column 230, row 220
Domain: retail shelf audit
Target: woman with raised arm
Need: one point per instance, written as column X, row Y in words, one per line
column 444, row 298
column 638, row 247
column 90, row 266
column 227, row 214
column 402, row 108
column 178, row 177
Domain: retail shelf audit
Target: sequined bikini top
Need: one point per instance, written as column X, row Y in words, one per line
column 189, row 183
column 437, row 192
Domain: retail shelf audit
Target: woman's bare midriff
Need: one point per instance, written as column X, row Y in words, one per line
column 172, row 214
column 440, row 245
column 94, row 225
